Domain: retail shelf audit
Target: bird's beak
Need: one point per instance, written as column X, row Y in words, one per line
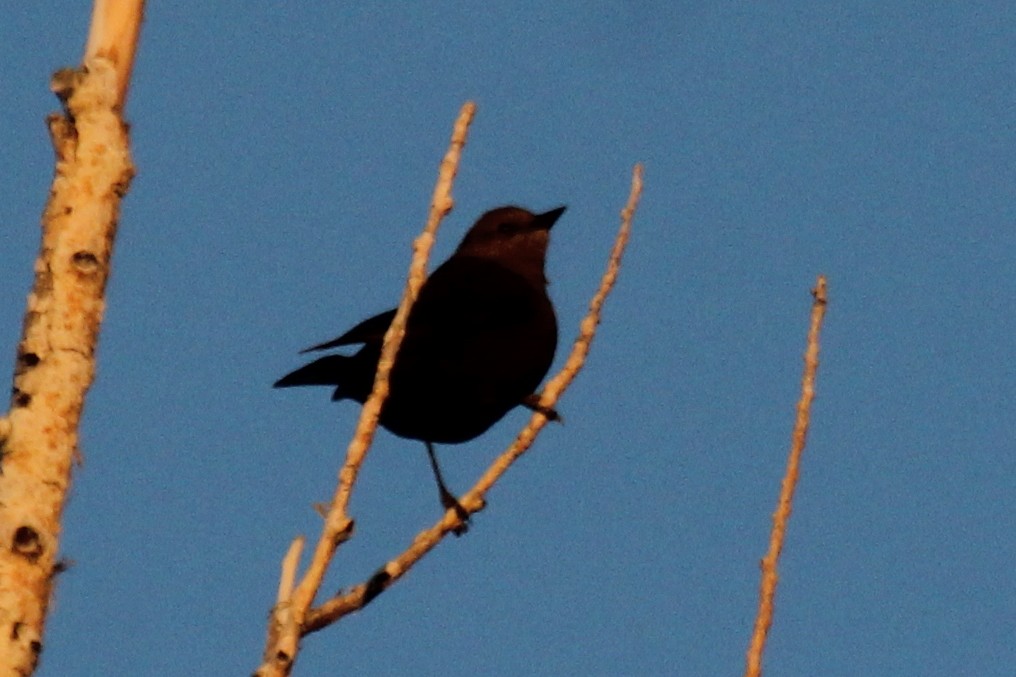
column 546, row 220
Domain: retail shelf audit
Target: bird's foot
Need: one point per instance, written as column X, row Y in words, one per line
column 451, row 503
column 532, row 402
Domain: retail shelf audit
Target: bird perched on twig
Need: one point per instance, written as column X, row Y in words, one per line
column 479, row 340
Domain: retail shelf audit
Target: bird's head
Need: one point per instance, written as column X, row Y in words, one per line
column 514, row 237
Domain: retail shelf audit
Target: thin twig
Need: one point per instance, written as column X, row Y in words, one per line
column 441, row 204
column 281, row 616
column 290, row 564
column 770, row 577
column 360, row 595
column 286, row 626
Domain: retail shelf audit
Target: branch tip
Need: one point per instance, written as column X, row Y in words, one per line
column 784, row 505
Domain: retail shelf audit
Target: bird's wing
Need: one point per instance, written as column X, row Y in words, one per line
column 471, row 294
column 369, row 331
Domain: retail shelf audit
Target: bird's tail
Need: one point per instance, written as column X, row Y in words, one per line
column 352, row 376
column 326, row 371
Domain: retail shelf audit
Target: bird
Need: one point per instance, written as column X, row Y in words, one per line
column 479, row 340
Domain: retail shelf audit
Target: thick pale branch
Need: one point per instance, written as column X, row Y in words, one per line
column 116, row 25
column 56, row 356
column 767, row 592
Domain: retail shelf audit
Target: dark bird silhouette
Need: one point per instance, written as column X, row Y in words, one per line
column 479, row 340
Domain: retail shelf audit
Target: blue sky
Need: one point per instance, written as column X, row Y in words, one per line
column 286, row 155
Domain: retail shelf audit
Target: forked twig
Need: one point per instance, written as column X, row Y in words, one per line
column 288, row 619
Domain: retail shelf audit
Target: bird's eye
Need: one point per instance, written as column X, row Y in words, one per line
column 507, row 227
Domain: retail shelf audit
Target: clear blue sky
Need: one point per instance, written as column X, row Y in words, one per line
column 286, row 154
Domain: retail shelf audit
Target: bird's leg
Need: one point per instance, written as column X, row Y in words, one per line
column 533, row 402
column 448, row 499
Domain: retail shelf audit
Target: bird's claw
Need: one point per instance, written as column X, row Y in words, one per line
column 532, row 402
column 451, row 503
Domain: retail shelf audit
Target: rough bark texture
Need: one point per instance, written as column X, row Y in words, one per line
column 55, row 359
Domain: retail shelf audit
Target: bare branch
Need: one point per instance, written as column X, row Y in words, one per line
column 114, row 36
column 290, row 564
column 288, row 617
column 55, row 361
column 767, row 592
